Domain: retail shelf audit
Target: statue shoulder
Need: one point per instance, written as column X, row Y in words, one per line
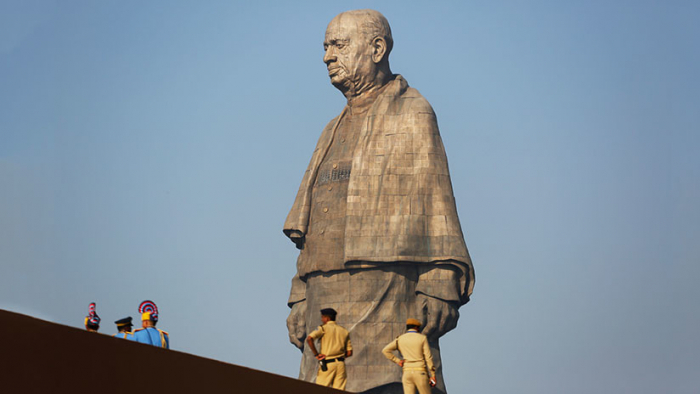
column 416, row 102
column 331, row 123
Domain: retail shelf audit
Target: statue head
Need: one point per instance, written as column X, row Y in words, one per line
column 357, row 47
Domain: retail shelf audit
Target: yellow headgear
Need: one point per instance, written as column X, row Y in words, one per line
column 412, row 322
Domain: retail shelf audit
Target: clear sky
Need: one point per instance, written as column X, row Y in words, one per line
column 151, row 150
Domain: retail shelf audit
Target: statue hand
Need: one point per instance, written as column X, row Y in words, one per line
column 439, row 317
column 296, row 324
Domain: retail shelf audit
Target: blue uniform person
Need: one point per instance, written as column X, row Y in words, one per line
column 149, row 334
column 124, row 327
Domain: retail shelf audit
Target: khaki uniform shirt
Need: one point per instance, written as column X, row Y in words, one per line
column 335, row 340
column 415, row 350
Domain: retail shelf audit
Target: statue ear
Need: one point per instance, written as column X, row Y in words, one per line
column 378, row 49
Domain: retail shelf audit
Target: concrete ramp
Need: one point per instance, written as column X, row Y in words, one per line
column 37, row 356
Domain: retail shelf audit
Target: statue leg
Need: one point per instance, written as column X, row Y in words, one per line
column 373, row 304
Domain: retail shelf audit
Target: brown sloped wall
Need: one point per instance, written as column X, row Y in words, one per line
column 37, row 356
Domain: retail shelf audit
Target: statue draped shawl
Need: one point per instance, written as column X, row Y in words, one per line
column 400, row 204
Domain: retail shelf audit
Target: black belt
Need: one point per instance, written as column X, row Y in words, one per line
column 334, row 360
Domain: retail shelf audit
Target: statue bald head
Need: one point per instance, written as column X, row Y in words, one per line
column 372, row 24
column 357, row 47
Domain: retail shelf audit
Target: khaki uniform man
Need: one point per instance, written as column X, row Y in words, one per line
column 417, row 359
column 335, row 347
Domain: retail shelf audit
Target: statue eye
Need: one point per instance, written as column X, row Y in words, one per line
column 340, row 45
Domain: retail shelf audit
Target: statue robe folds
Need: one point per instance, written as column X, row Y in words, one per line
column 400, row 209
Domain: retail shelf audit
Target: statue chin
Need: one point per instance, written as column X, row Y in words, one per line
column 341, row 84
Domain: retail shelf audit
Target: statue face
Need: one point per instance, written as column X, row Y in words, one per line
column 348, row 55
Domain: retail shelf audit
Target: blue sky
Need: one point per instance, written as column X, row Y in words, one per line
column 151, row 150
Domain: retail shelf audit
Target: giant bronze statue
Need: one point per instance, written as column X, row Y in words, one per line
column 375, row 217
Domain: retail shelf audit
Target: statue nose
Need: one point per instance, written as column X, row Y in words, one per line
column 329, row 56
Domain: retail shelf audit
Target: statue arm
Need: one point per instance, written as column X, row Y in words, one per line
column 296, row 321
column 439, row 292
column 296, row 224
column 443, row 281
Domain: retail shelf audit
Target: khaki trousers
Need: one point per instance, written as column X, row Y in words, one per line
column 335, row 377
column 414, row 378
